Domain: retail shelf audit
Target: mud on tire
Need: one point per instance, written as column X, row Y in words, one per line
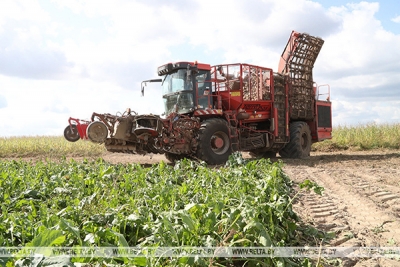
column 174, row 157
column 214, row 142
column 259, row 153
column 300, row 141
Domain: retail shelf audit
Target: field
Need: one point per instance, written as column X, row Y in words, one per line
column 96, row 203
column 360, row 201
column 359, row 206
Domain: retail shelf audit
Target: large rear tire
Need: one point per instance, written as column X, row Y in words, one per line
column 71, row 133
column 300, row 141
column 214, row 143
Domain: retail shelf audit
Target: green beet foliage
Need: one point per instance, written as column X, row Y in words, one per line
column 95, row 203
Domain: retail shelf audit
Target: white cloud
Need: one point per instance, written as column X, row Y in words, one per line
column 396, row 19
column 364, row 112
column 359, row 61
column 22, row 10
column 70, row 58
column 43, row 107
column 3, row 102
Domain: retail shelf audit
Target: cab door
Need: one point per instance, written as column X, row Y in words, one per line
column 203, row 90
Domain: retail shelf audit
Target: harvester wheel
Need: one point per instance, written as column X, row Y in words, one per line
column 262, row 154
column 71, row 133
column 214, row 143
column 97, row 132
column 174, row 157
column 300, row 141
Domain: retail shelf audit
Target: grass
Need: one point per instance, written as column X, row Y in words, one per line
column 47, row 146
column 360, row 137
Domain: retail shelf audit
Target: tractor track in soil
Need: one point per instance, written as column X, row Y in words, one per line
column 360, row 202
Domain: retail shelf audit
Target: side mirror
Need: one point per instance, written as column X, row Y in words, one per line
column 144, row 83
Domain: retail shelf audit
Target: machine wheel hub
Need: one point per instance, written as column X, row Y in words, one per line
column 217, row 142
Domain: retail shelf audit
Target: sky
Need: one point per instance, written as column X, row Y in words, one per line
column 61, row 59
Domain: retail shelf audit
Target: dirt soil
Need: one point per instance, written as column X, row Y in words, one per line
column 360, row 202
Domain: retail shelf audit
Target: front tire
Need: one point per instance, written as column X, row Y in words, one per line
column 214, row 143
column 262, row 154
column 71, row 133
column 299, row 145
column 174, row 157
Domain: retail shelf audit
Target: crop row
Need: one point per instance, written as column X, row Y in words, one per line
column 95, row 203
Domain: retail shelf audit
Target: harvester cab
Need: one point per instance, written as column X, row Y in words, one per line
column 184, row 85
